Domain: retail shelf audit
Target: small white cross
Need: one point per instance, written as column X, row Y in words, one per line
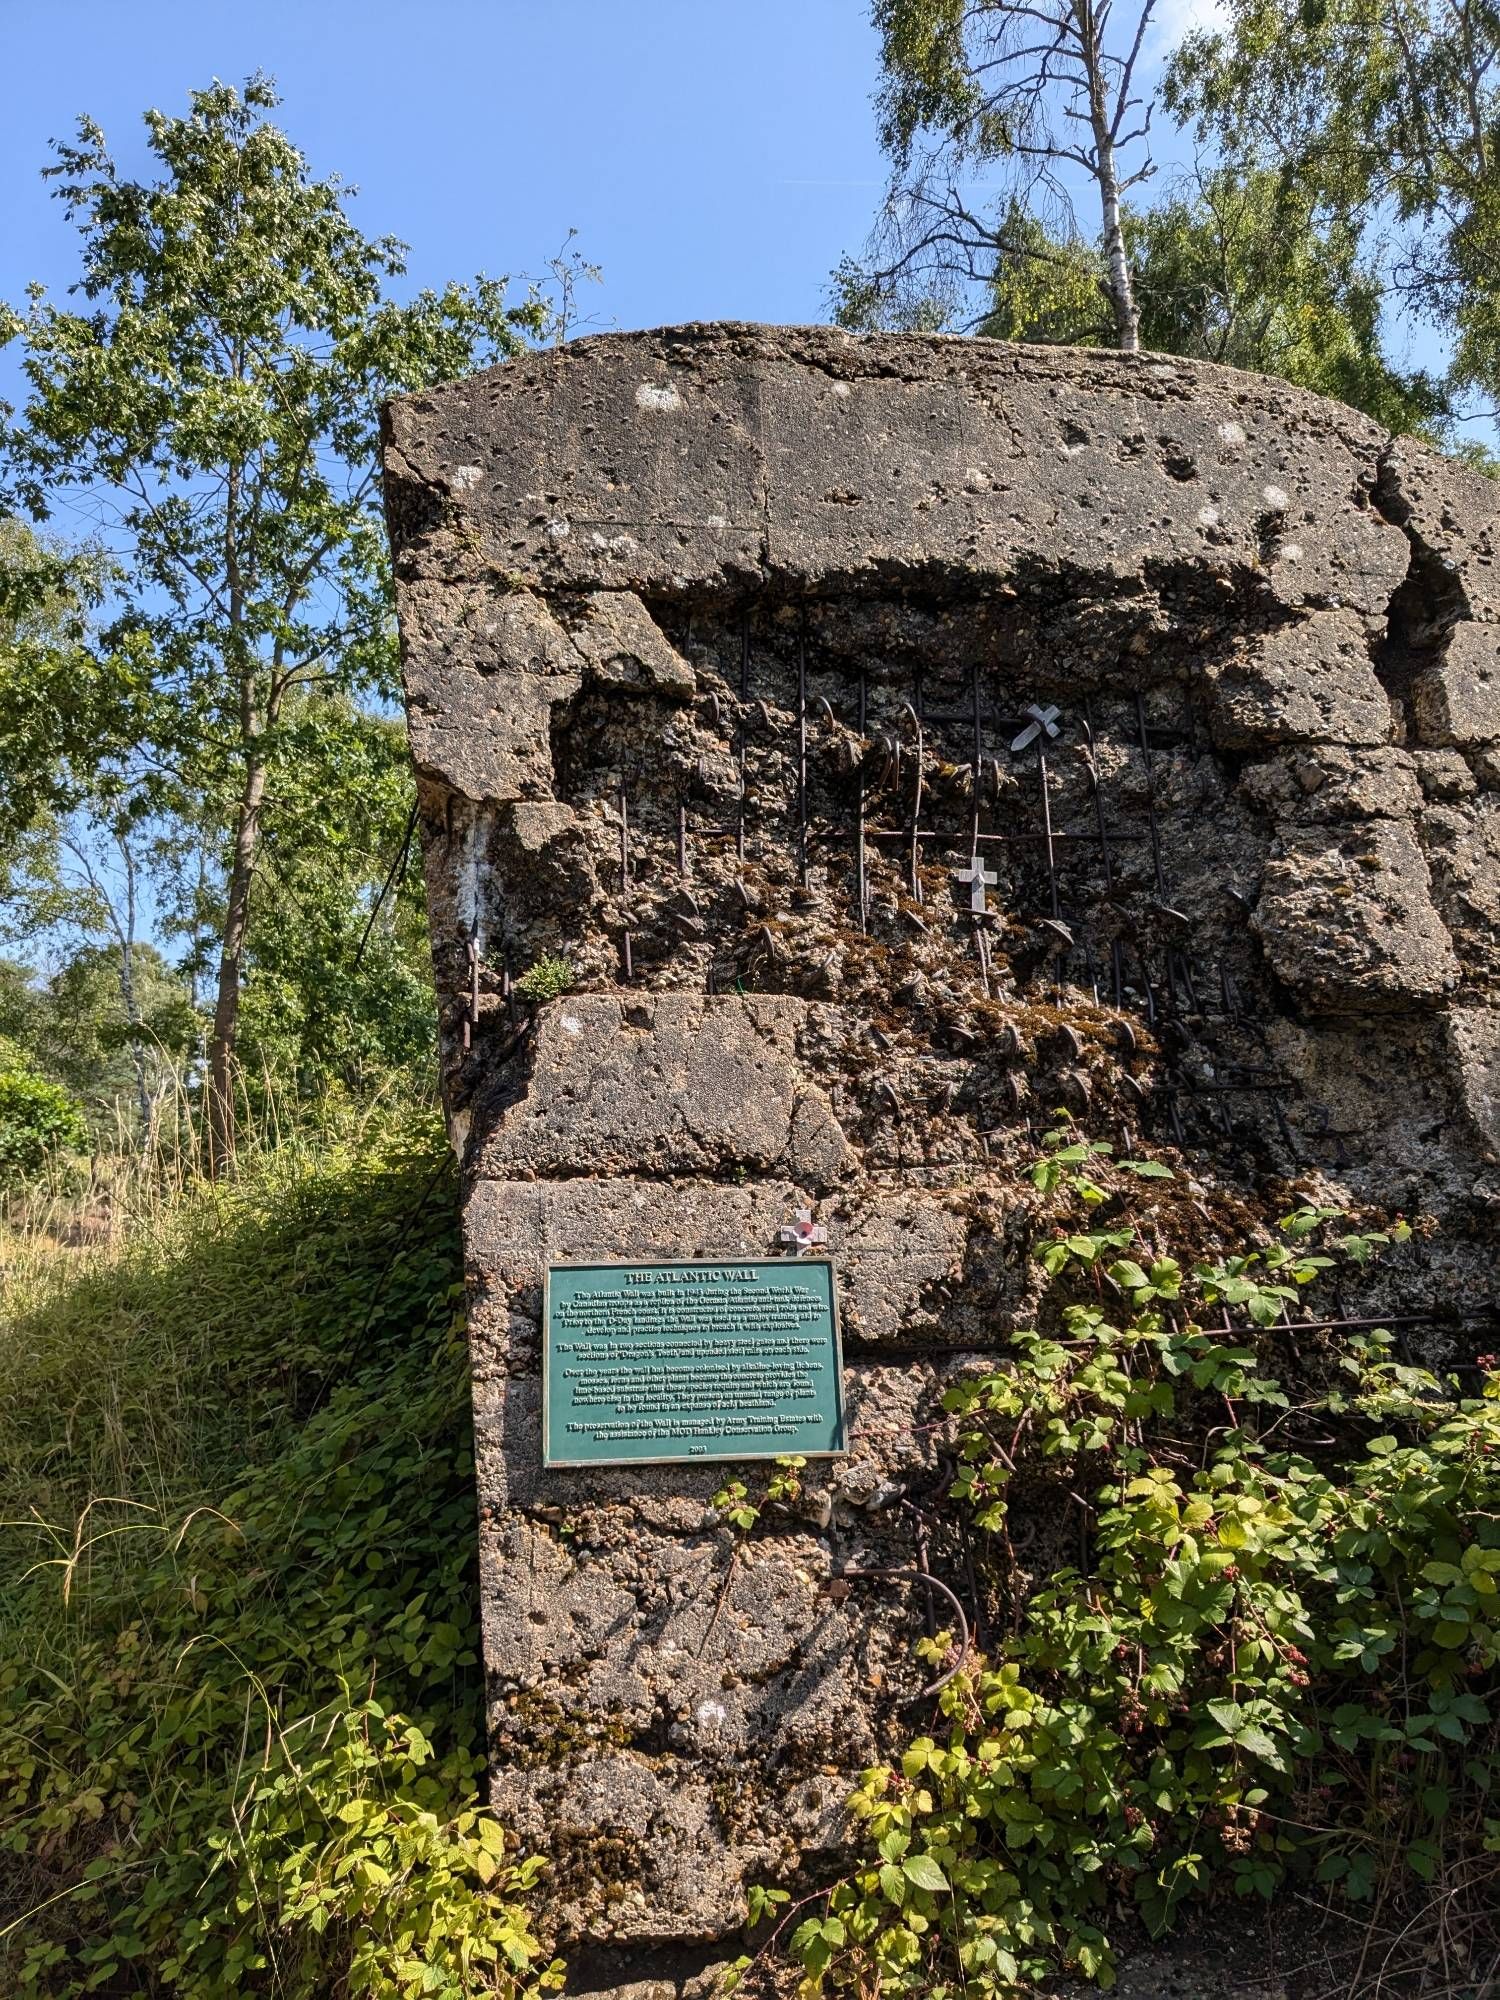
column 801, row 1234
column 1043, row 724
column 979, row 878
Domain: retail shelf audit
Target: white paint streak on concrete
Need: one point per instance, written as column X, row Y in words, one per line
column 465, row 477
column 473, row 881
column 657, row 396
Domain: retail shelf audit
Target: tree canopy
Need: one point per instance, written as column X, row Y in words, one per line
column 1383, row 114
column 215, row 391
column 1342, row 188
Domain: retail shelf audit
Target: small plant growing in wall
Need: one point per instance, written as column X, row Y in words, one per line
column 732, row 1502
column 546, row 980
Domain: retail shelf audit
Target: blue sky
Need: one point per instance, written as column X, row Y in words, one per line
column 715, row 156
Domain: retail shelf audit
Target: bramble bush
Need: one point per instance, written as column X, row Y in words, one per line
column 1278, row 1663
column 240, row 1701
column 240, row 1705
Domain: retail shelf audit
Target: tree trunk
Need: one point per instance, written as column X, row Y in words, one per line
column 137, row 1051
column 220, row 1105
column 1121, row 290
column 128, row 997
column 1118, row 282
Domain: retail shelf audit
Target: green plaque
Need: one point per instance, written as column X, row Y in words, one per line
column 655, row 1364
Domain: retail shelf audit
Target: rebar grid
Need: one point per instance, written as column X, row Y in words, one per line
column 1180, row 1000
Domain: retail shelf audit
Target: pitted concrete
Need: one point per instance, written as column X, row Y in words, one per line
column 676, row 609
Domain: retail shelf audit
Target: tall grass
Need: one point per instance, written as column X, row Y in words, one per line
column 148, row 1313
column 240, row 1731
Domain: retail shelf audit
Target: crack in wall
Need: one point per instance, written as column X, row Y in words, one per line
column 1426, row 605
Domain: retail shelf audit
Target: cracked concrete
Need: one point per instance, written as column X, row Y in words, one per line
column 676, row 1084
column 696, row 625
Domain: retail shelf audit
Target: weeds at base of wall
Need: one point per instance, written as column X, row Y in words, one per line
column 1276, row 1671
column 240, row 1717
column 240, row 1729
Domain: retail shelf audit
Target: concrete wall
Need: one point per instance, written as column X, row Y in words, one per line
column 687, row 614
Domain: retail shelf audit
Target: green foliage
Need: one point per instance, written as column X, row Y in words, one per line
column 1242, row 267
column 215, row 391
column 1232, row 267
column 1042, row 98
column 240, row 1699
column 22, row 1007
column 63, row 711
column 1383, row 115
column 1320, row 127
column 784, row 1488
column 1278, row 1663
column 338, row 986
column 79, row 1032
column 732, row 1502
column 38, row 1118
column 114, row 1021
column 871, row 301
column 927, row 81
column 546, row 980
column 1045, row 289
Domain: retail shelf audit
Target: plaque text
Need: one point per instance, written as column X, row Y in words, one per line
column 645, row 1363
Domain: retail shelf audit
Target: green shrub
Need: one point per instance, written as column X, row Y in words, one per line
column 1278, row 1663
column 240, row 1698
column 546, row 980
column 38, row 1118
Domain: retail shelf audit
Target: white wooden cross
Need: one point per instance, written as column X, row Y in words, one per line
column 979, row 878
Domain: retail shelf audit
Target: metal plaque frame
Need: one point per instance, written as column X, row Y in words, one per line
column 707, row 1456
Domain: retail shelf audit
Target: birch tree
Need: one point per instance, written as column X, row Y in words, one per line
column 1386, row 113
column 993, row 112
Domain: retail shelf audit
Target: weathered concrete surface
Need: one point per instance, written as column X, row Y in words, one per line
column 680, row 1084
column 709, row 456
column 914, row 1264
column 1306, row 683
column 1457, row 699
column 690, row 1698
column 682, row 613
column 1347, row 919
